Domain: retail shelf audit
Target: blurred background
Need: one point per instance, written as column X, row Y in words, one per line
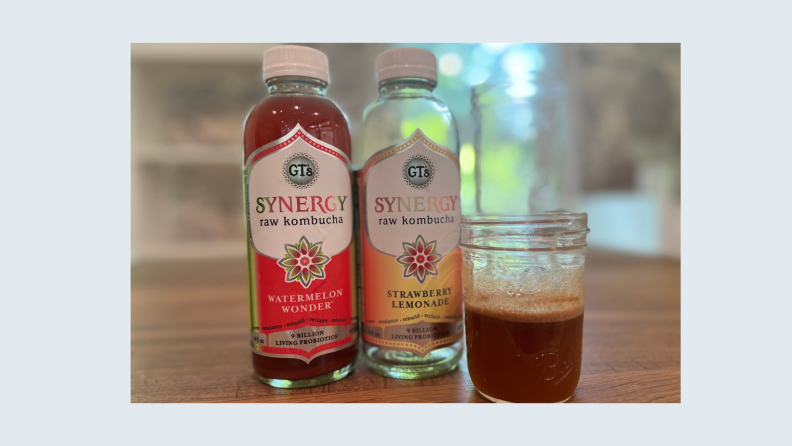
column 616, row 105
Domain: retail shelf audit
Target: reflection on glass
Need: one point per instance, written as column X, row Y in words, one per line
column 520, row 135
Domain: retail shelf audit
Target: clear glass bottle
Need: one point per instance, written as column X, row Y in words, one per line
column 521, row 139
column 409, row 161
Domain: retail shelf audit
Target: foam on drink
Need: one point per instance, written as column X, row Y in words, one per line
column 525, row 296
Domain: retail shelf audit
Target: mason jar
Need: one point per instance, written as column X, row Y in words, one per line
column 523, row 293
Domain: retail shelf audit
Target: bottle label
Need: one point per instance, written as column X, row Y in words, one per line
column 411, row 261
column 301, row 256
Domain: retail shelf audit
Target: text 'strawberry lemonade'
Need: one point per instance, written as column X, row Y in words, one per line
column 300, row 218
column 408, row 178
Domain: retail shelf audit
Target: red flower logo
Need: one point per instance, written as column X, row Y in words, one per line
column 419, row 259
column 304, row 262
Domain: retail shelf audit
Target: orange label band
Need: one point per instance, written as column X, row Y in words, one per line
column 411, row 262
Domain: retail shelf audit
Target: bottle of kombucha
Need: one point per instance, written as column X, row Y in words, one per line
column 408, row 178
column 300, row 225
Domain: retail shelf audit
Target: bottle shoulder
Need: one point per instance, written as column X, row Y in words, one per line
column 276, row 115
column 400, row 105
column 387, row 122
column 294, row 104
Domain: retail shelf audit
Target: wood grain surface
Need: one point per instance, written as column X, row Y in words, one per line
column 190, row 340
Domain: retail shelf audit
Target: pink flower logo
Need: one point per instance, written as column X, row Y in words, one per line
column 419, row 259
column 304, row 262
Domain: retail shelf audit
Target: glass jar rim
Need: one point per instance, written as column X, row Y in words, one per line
column 545, row 231
column 554, row 217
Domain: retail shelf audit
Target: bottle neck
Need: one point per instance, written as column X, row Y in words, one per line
column 407, row 87
column 296, row 85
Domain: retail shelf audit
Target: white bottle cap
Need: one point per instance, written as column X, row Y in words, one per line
column 293, row 60
column 406, row 62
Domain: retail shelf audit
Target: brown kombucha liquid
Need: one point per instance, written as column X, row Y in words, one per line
column 271, row 119
column 525, row 358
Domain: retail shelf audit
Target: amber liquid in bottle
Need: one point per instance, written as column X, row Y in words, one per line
column 297, row 100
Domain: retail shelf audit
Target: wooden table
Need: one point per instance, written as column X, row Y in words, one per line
column 190, row 340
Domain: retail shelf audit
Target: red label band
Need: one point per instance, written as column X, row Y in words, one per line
column 301, row 248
